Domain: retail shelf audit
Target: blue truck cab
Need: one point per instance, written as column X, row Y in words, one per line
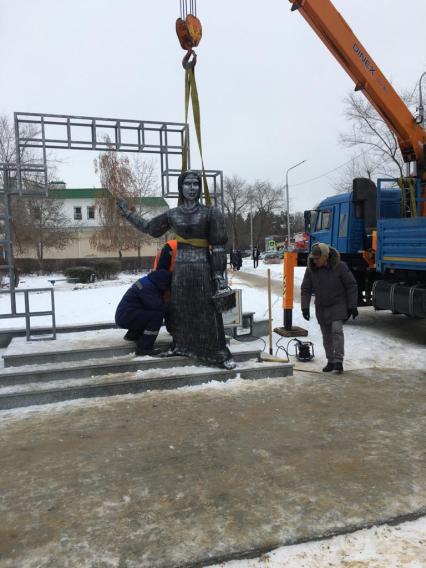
column 335, row 223
column 346, row 221
column 380, row 234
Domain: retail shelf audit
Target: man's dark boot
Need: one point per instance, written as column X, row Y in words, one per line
column 145, row 343
column 329, row 367
column 132, row 336
column 153, row 352
column 338, row 368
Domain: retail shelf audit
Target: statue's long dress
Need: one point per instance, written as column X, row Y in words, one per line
column 196, row 327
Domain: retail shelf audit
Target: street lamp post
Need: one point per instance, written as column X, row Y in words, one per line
column 290, row 261
column 251, row 226
column 288, row 202
column 421, row 117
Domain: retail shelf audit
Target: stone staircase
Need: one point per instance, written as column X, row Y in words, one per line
column 100, row 363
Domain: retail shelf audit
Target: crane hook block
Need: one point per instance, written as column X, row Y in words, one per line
column 189, row 32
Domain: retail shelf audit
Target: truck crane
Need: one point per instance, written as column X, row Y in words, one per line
column 379, row 230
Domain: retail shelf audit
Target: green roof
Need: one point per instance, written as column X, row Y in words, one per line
column 94, row 192
column 77, row 193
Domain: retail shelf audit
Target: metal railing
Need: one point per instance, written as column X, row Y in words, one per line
column 27, row 314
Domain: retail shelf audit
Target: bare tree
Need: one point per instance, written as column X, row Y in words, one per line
column 268, row 200
column 31, row 180
column 360, row 166
column 370, row 132
column 115, row 176
column 298, row 222
column 236, row 197
column 39, row 224
column 119, row 178
column 144, row 183
column 7, row 141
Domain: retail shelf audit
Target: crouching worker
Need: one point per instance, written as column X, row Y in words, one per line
column 336, row 295
column 141, row 310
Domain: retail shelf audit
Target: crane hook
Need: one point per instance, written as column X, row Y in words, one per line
column 187, row 62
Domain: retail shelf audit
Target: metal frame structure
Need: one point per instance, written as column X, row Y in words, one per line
column 7, row 190
column 43, row 132
column 215, row 186
column 68, row 132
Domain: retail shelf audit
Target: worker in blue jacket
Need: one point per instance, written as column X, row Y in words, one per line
column 142, row 309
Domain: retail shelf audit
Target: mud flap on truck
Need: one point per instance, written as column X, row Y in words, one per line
column 400, row 298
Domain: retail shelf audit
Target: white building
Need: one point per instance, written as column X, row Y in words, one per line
column 79, row 207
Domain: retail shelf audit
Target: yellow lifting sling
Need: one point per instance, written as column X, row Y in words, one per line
column 189, row 31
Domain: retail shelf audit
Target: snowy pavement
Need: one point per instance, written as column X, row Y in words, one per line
column 374, row 339
column 401, row 546
column 170, row 478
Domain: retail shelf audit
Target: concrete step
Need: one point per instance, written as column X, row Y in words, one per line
column 78, row 346
column 173, row 375
column 89, row 368
column 68, row 355
column 100, row 363
column 259, row 329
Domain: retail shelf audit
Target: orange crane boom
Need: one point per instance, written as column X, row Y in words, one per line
column 335, row 33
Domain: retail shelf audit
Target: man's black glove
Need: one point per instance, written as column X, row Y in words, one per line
column 305, row 314
column 352, row 312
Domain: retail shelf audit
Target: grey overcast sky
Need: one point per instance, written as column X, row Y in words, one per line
column 271, row 94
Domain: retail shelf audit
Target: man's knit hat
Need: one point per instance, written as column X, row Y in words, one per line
column 319, row 249
column 161, row 278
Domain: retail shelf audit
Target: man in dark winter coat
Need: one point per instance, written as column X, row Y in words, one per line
column 142, row 309
column 336, row 295
column 256, row 255
column 238, row 259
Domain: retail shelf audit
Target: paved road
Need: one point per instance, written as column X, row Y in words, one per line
column 192, row 476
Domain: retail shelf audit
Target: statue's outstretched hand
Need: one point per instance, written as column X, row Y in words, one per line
column 122, row 204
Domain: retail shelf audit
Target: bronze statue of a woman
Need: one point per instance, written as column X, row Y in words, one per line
column 196, row 326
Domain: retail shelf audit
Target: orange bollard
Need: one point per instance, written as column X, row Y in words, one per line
column 290, row 261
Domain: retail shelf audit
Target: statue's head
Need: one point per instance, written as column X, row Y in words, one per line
column 189, row 185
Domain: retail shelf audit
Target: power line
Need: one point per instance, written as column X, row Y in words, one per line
column 329, row 172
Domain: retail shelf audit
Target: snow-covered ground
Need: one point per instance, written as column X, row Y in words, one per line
column 379, row 547
column 74, row 303
column 374, row 339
